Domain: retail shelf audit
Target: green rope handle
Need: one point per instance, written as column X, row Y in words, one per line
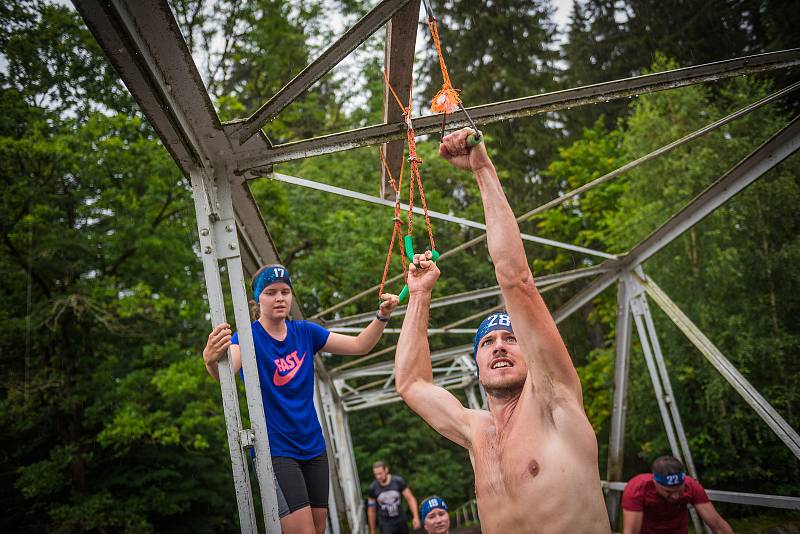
column 408, row 244
column 474, row 139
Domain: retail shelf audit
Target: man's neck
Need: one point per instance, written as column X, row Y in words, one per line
column 388, row 480
column 502, row 408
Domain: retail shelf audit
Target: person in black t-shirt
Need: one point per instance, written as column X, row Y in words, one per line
column 384, row 502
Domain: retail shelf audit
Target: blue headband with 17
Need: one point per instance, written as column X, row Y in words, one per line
column 270, row 275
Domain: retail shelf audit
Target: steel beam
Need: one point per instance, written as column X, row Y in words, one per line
column 379, row 397
column 669, row 395
column 616, row 440
column 331, row 57
column 736, row 497
column 401, row 40
column 431, row 331
column 531, row 105
column 779, row 147
column 476, row 294
column 159, row 73
column 774, row 420
column 385, row 368
column 340, row 451
column 319, row 186
column 227, row 381
column 646, row 337
column 637, row 308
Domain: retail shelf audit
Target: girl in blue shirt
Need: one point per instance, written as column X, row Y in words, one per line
column 285, row 358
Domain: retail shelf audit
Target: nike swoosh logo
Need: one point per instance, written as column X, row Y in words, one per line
column 279, row 380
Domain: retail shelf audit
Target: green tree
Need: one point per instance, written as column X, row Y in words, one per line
column 107, row 417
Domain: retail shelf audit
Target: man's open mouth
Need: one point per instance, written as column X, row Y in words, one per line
column 500, row 363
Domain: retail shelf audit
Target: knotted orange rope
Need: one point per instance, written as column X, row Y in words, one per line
column 414, row 178
column 396, row 230
column 447, row 99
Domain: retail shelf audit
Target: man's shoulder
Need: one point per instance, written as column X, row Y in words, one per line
column 373, row 488
column 398, row 480
column 637, row 482
column 695, row 491
column 690, row 481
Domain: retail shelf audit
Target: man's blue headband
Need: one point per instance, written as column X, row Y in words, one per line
column 672, row 479
column 496, row 321
column 431, row 503
column 270, row 275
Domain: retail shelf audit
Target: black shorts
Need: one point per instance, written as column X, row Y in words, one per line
column 301, row 483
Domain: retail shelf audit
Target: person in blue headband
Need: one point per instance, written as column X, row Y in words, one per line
column 435, row 518
column 284, row 353
column 534, row 451
column 494, row 321
column 268, row 276
column 657, row 502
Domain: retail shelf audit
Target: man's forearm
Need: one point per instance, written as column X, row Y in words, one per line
column 721, row 527
column 371, row 519
column 502, row 230
column 412, row 360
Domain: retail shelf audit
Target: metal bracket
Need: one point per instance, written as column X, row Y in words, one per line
column 247, row 438
column 225, row 238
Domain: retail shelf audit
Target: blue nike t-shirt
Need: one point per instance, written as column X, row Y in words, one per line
column 286, row 373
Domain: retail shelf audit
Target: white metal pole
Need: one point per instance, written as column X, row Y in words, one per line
column 227, row 382
column 619, row 408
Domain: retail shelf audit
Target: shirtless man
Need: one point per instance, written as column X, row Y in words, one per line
column 534, row 452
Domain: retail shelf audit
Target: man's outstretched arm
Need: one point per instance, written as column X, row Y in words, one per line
column 534, row 327
column 414, row 507
column 712, row 518
column 413, row 373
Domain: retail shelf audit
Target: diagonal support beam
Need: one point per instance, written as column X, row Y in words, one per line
column 331, row 57
column 742, row 386
column 476, row 294
column 433, row 214
column 527, row 106
column 779, row 147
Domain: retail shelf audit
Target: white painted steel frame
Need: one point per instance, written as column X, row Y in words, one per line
column 230, row 399
column 736, row 497
column 319, row 186
column 742, row 386
column 659, row 378
column 218, row 241
column 477, row 294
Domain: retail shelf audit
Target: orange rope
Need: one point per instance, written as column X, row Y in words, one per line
column 414, row 176
column 425, row 210
column 396, row 230
column 447, row 99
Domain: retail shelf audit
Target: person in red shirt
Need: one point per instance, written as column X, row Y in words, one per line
column 657, row 503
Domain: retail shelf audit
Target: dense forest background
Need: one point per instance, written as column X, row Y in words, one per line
column 108, row 421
